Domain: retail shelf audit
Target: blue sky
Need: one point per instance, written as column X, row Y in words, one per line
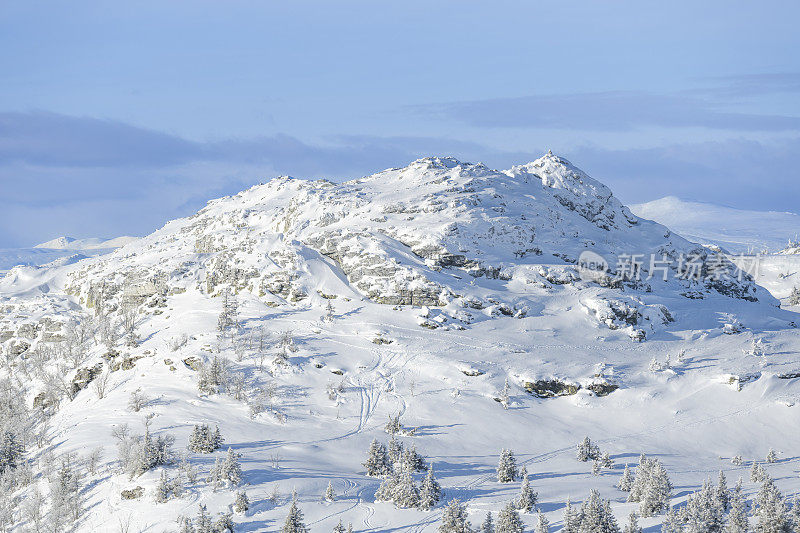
column 118, row 116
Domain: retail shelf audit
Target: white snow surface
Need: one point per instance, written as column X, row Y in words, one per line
column 736, row 230
column 58, row 248
column 446, row 279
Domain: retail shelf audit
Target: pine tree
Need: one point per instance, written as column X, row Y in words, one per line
column 703, row 512
column 633, row 524
column 454, row 519
column 737, row 518
column 722, row 493
column 405, row 494
column 507, row 467
column 394, row 451
column 394, row 426
column 385, row 492
column 202, row 523
column 339, row 528
column 672, row 522
column 185, row 525
column 377, row 463
column 242, row 503
column 224, row 523
column 430, row 492
column 772, row 457
column 757, row 473
column 527, row 497
column 657, row 492
column 606, row 460
column 626, row 481
column 294, row 520
column 161, row 493
column 571, row 519
column 770, row 513
column 203, row 440
column 587, row 450
column 542, row 525
column 595, row 515
column 508, row 521
column 794, row 514
column 794, row 298
column 330, row 495
column 231, row 469
column 411, row 460
column 488, row 524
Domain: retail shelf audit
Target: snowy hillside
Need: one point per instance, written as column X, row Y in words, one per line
column 299, row 317
column 736, row 230
column 70, row 243
column 58, row 248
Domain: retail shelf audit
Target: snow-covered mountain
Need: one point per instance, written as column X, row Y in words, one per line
column 93, row 243
column 740, row 232
column 299, row 316
column 58, row 248
column 736, row 230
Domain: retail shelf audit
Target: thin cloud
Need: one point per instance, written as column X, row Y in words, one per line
column 605, row 111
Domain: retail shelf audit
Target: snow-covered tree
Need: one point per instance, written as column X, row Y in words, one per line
column 657, row 491
column 430, row 492
column 508, row 521
column 794, row 298
column 703, row 512
column 737, row 517
column 507, row 467
column 242, row 503
column 223, row 523
column 377, row 463
column 162, row 488
column 454, row 518
column 411, row 460
column 527, row 497
column 672, row 522
column 757, row 473
column 633, row 524
column 571, row 519
column 606, row 460
column 227, row 470
column 587, row 450
column 772, row 457
column 595, row 515
column 385, row 492
column 405, row 493
column 771, row 513
column 394, row 450
column 794, row 514
column 542, row 524
column 339, row 528
column 213, row 378
column 294, row 520
column 202, row 523
column 393, row 426
column 488, row 524
column 330, row 494
column 626, row 481
column 722, row 493
column 137, row 401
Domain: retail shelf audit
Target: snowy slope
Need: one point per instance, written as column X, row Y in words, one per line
column 417, row 291
column 46, row 252
column 736, row 230
column 71, row 243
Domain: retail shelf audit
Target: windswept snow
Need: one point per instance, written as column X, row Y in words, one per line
column 419, row 292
